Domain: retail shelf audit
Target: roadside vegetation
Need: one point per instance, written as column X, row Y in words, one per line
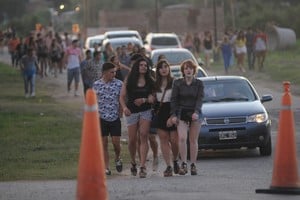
column 40, row 137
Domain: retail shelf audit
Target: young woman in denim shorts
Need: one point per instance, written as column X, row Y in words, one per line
column 136, row 99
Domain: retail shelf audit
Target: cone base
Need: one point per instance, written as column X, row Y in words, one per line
column 279, row 190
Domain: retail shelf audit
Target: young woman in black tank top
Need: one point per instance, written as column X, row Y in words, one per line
column 136, row 99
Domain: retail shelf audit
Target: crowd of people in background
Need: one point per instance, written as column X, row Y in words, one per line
column 126, row 86
column 235, row 47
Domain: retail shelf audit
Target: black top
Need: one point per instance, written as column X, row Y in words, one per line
column 135, row 93
column 186, row 96
column 207, row 44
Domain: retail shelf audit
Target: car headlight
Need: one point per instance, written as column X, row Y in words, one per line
column 258, row 118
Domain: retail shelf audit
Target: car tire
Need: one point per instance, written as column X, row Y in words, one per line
column 266, row 150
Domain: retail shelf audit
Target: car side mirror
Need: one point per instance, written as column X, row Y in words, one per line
column 266, row 98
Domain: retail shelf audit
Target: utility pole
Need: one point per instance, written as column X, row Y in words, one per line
column 156, row 16
column 85, row 17
column 232, row 13
column 215, row 28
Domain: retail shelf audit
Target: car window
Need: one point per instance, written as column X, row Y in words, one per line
column 227, row 91
column 164, row 41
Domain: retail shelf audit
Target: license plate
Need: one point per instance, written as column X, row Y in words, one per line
column 227, row 135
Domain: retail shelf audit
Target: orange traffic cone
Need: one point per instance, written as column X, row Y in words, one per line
column 91, row 181
column 285, row 178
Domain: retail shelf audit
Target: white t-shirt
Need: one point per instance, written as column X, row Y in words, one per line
column 73, row 55
column 260, row 45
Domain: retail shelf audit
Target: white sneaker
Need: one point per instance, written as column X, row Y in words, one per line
column 76, row 93
column 32, row 94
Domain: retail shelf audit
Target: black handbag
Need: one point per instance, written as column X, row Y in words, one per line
column 155, row 112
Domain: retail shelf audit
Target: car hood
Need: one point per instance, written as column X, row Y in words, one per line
column 222, row 109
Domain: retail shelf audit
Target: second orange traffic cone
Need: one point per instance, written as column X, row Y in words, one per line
column 285, row 178
column 91, row 180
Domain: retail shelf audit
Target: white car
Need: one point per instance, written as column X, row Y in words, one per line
column 161, row 40
column 122, row 33
column 175, row 56
column 90, row 41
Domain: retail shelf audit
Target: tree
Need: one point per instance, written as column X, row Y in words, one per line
column 9, row 8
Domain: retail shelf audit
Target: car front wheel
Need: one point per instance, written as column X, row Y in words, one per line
column 266, row 150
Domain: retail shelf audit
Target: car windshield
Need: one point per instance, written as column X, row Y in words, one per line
column 164, row 41
column 174, row 58
column 228, row 91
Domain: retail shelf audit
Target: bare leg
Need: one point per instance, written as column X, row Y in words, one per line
column 132, row 143
column 174, row 144
column 182, row 137
column 117, row 146
column 144, row 135
column 105, row 149
column 193, row 139
column 164, row 138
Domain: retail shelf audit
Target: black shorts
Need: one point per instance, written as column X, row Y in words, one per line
column 110, row 128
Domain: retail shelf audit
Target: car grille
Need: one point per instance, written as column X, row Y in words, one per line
column 226, row 120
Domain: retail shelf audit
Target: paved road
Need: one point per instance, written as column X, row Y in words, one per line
column 229, row 175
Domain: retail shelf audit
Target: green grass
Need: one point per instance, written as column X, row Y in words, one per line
column 39, row 137
column 284, row 65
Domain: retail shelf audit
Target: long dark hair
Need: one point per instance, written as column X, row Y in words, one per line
column 133, row 76
column 158, row 82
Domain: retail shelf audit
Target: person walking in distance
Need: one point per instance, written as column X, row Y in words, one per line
column 108, row 89
column 208, row 48
column 29, row 67
column 226, row 50
column 136, row 99
column 240, row 50
column 186, row 103
column 73, row 60
column 93, row 69
column 83, row 66
column 260, row 43
column 168, row 135
column 250, row 47
column 120, row 66
column 42, row 53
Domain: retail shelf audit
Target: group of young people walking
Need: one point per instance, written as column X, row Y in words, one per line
column 178, row 109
